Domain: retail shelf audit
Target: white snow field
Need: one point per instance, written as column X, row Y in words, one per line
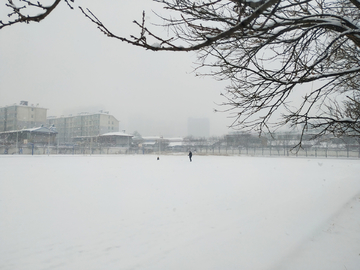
column 136, row 212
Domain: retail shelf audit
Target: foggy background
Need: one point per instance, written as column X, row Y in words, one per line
column 67, row 65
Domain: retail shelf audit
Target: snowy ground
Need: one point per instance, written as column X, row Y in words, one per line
column 134, row 212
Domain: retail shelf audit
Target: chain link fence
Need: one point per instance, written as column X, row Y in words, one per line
column 277, row 151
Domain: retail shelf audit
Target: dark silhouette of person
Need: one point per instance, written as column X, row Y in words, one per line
column 190, row 155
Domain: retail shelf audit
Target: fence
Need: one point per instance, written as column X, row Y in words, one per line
column 348, row 152
column 353, row 152
column 61, row 150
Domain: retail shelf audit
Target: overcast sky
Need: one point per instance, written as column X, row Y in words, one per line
column 68, row 66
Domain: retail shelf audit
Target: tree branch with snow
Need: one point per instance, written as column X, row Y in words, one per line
column 286, row 62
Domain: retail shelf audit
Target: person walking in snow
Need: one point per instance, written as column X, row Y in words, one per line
column 190, row 155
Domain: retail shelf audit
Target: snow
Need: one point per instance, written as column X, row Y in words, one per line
column 156, row 45
column 121, row 134
column 136, row 212
column 348, row 119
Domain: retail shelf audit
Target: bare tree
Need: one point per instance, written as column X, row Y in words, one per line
column 25, row 11
column 348, row 115
column 269, row 51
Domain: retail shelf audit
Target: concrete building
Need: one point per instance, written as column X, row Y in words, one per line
column 83, row 125
column 21, row 116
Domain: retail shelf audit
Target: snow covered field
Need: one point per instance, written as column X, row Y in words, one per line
column 134, row 212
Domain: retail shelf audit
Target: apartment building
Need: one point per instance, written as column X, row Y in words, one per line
column 83, row 125
column 16, row 117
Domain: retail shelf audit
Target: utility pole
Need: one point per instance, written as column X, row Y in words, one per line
column 17, row 138
column 48, row 148
column 91, row 140
column 160, row 139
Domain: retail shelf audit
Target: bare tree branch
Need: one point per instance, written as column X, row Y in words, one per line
column 267, row 51
column 20, row 11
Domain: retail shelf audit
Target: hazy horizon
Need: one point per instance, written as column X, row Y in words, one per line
column 64, row 63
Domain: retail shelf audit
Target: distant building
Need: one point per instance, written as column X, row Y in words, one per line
column 245, row 139
column 198, row 127
column 38, row 135
column 177, row 144
column 115, row 139
column 111, row 139
column 150, row 144
column 21, row 116
column 83, row 125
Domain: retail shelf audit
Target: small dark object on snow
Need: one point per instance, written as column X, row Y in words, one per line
column 190, row 155
column 158, row 158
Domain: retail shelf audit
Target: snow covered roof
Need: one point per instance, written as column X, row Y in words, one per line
column 81, row 114
column 151, row 138
column 173, row 144
column 36, row 129
column 121, row 134
column 41, row 130
column 85, row 137
column 156, row 138
column 175, row 139
column 149, row 143
column 25, row 106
